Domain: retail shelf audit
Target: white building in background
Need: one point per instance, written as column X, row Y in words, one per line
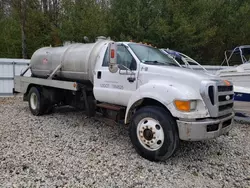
column 8, row 69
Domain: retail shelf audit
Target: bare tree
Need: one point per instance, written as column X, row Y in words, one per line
column 23, row 16
column 20, row 7
column 44, row 5
column 5, row 8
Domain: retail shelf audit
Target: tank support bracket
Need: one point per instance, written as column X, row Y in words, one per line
column 54, row 72
column 25, row 70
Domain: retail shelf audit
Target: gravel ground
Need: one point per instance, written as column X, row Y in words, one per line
column 66, row 149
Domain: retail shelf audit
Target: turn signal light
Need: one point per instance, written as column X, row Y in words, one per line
column 182, row 105
column 185, row 106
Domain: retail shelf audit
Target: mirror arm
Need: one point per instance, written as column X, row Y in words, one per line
column 119, row 66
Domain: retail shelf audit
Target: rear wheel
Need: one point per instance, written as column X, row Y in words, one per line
column 36, row 102
column 153, row 132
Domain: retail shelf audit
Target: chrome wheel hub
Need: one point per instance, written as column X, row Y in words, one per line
column 150, row 134
column 33, row 101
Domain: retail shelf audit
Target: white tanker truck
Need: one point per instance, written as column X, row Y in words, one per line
column 134, row 83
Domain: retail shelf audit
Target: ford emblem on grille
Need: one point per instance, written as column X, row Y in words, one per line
column 227, row 97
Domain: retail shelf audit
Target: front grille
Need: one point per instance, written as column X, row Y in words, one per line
column 218, row 97
column 211, row 94
column 225, row 107
column 225, row 88
column 223, row 98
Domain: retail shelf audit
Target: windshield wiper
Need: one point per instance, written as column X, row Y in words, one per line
column 160, row 63
column 154, row 62
column 173, row 64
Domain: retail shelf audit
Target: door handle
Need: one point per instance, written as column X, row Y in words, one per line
column 99, row 75
column 131, row 79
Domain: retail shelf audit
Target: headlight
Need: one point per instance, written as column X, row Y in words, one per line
column 185, row 106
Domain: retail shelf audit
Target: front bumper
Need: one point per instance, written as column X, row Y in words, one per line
column 204, row 129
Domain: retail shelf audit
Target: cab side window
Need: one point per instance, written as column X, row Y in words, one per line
column 105, row 62
column 123, row 57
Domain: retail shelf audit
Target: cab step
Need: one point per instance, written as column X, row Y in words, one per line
column 110, row 106
column 115, row 112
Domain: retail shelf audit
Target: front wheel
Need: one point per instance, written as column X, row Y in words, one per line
column 153, row 132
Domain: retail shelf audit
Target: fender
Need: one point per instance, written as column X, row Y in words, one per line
column 165, row 93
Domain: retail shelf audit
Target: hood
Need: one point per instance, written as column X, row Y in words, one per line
column 184, row 72
column 176, row 74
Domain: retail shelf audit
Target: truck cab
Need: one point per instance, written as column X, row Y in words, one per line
column 198, row 103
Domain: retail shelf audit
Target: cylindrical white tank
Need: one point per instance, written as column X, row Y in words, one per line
column 78, row 61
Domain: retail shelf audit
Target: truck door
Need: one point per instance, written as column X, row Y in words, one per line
column 116, row 88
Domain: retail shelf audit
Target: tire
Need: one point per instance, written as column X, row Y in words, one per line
column 153, row 133
column 36, row 102
column 90, row 106
column 49, row 109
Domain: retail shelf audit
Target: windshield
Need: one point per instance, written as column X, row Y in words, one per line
column 151, row 55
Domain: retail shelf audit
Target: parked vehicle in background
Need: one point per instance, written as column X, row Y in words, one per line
column 187, row 62
column 134, row 83
column 235, row 68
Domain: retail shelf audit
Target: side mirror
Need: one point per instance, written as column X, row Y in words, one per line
column 113, row 68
